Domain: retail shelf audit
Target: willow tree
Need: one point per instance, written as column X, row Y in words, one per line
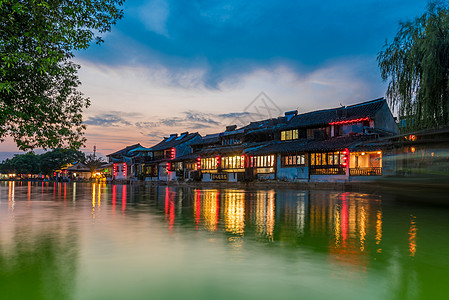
column 40, row 105
column 416, row 64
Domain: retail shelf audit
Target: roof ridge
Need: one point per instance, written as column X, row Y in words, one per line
column 367, row 102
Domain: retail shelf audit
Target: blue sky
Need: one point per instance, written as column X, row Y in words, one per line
column 174, row 66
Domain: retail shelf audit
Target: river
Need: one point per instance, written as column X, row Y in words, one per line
column 102, row 241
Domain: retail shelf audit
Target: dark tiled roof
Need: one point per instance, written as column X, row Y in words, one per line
column 124, row 151
column 190, row 156
column 323, row 117
column 304, row 145
column 336, row 143
column 208, row 140
column 279, row 147
column 167, row 143
column 265, row 123
column 223, row 150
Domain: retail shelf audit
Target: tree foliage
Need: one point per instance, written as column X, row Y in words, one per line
column 93, row 162
column 416, row 64
column 58, row 158
column 40, row 105
column 45, row 163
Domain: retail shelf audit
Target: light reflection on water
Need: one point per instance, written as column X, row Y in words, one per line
column 98, row 241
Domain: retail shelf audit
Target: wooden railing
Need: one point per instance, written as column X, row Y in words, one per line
column 370, row 171
column 328, row 171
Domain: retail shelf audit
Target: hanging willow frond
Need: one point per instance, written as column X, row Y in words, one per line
column 416, row 64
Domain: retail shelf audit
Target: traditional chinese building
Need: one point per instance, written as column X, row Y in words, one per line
column 162, row 163
column 325, row 145
column 121, row 161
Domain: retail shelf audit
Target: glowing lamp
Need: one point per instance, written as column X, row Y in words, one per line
column 345, row 158
column 198, row 163
column 347, row 122
column 217, row 162
column 114, row 170
column 125, row 169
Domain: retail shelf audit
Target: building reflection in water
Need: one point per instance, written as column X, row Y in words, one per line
column 412, row 236
column 379, row 229
column 234, row 211
column 170, row 207
column 357, row 226
column 94, row 190
column 262, row 213
column 99, row 193
column 207, row 208
column 11, row 195
column 29, row 191
column 124, row 195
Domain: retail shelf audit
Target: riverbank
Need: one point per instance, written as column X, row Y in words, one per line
column 417, row 190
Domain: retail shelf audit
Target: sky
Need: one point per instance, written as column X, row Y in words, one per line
column 201, row 65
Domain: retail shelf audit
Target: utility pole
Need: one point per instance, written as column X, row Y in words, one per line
column 95, row 149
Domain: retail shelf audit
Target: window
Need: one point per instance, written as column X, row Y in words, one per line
column 233, row 162
column 193, row 166
column 330, row 159
column 209, row 163
column 288, row 135
column 262, row 161
column 293, row 160
column 314, row 133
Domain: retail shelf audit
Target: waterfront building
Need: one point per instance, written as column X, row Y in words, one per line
column 77, row 171
column 348, row 143
column 326, row 145
column 121, row 162
column 161, row 163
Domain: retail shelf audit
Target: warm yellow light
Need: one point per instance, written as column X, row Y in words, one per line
column 379, row 152
column 412, row 149
column 363, row 153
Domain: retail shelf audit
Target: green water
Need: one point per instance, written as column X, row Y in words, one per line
column 96, row 241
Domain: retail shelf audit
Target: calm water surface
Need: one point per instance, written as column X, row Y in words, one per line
column 98, row 241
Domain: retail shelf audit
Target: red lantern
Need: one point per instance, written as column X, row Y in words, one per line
column 217, row 162
column 114, row 170
column 345, row 158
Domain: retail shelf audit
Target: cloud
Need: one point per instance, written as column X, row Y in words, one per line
column 153, row 15
column 111, row 119
column 201, row 117
column 223, row 41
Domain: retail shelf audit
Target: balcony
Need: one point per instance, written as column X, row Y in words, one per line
column 368, row 171
column 328, row 171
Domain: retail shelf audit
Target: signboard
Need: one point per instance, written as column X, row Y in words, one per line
column 219, row 176
column 265, row 170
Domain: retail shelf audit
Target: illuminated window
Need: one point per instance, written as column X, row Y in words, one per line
column 263, row 161
column 233, row 162
column 288, row 135
column 330, row 159
column 209, row 163
column 293, row 160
